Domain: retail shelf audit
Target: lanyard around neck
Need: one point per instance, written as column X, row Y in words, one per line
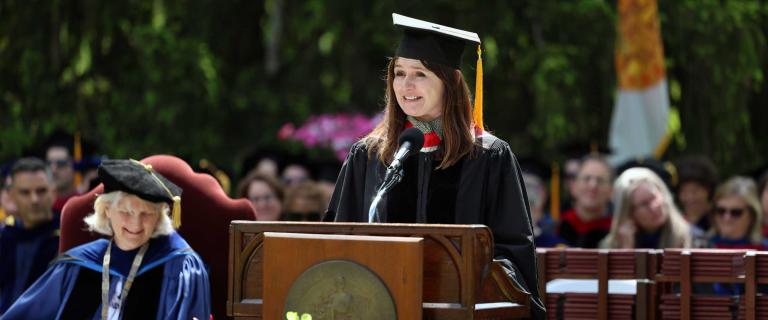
column 128, row 282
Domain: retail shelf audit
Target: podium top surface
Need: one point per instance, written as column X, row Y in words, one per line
column 360, row 224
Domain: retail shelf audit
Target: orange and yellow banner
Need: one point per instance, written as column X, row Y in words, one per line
column 641, row 110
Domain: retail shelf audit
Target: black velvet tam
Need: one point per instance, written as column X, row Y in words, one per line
column 138, row 179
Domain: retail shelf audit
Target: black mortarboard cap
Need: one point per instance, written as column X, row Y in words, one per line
column 140, row 179
column 434, row 43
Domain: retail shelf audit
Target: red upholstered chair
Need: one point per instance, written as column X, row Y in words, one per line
column 206, row 212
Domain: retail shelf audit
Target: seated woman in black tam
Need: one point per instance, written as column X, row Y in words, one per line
column 145, row 270
column 462, row 174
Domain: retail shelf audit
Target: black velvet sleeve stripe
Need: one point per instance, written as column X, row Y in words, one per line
column 85, row 298
column 142, row 303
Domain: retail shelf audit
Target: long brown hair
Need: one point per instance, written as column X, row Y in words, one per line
column 457, row 118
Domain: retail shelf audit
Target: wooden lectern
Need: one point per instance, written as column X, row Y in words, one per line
column 458, row 278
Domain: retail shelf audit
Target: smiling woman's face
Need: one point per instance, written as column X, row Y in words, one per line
column 419, row 92
column 732, row 217
column 133, row 221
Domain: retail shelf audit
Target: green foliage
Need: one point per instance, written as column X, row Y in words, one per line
column 717, row 55
column 216, row 79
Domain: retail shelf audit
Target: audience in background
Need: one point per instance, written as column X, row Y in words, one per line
column 62, row 167
column 697, row 180
column 543, row 226
column 574, row 153
column 267, row 161
column 7, row 207
column 294, row 174
column 663, row 169
column 305, row 201
column 763, row 192
column 536, row 175
column 32, row 241
column 589, row 220
column 636, row 211
column 265, row 193
column 738, row 216
column 267, row 167
column 645, row 215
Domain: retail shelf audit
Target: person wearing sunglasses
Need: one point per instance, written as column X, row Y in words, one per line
column 737, row 217
column 62, row 167
column 736, row 224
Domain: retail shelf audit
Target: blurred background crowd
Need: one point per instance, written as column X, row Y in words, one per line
column 583, row 202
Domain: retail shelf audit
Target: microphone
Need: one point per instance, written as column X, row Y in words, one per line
column 410, row 141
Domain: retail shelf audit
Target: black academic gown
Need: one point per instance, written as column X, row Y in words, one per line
column 488, row 190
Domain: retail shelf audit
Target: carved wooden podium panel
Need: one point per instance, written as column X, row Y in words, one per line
column 394, row 263
column 460, row 278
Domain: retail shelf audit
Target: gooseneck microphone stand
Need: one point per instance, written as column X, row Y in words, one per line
column 411, row 140
column 385, row 186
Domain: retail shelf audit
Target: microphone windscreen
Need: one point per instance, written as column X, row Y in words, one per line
column 414, row 136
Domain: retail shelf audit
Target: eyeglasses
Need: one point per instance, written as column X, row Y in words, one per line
column 265, row 198
column 734, row 212
column 598, row 180
column 59, row 163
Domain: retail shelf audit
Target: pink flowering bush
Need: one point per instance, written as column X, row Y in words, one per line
column 337, row 131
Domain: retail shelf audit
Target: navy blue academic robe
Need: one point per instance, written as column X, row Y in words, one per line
column 24, row 256
column 171, row 283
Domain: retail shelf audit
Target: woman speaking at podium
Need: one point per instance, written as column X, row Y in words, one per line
column 461, row 175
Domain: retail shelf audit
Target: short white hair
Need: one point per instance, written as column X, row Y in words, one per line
column 99, row 222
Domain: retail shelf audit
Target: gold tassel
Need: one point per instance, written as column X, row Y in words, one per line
column 478, row 112
column 78, row 155
column 554, row 192
column 176, row 212
column 662, row 147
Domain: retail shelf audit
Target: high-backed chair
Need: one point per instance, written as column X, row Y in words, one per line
column 206, row 212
